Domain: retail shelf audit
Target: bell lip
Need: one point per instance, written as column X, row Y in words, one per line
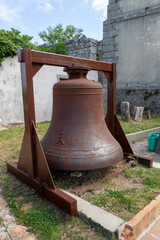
column 60, row 163
column 66, row 69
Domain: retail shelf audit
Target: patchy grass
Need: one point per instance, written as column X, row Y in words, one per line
column 42, row 218
column 47, row 221
column 133, row 126
column 128, row 193
column 1, row 221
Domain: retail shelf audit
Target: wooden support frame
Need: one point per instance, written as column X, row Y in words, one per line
column 32, row 167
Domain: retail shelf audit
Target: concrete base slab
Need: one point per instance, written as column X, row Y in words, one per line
column 139, row 136
column 156, row 164
column 141, row 148
column 110, row 225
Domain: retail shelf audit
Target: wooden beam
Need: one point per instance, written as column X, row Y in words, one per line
column 64, row 61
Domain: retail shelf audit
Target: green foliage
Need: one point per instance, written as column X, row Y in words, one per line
column 72, row 32
column 120, row 197
column 10, row 41
column 61, row 48
column 38, row 219
column 43, row 220
column 128, row 173
column 58, row 35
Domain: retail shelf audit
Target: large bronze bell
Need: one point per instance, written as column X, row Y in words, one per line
column 78, row 138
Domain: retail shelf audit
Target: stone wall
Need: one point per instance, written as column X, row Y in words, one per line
column 131, row 38
column 84, row 48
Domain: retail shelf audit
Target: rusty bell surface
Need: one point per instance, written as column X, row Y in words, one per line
column 78, row 138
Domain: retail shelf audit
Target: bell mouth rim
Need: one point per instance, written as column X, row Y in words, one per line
column 68, row 68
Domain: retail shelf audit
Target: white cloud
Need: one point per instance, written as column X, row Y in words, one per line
column 100, row 5
column 44, row 6
column 48, row 7
column 8, row 14
column 10, row 11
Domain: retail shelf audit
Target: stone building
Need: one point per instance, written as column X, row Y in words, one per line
column 131, row 38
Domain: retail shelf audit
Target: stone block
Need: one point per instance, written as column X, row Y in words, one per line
column 2, row 203
column 4, row 236
column 108, row 55
column 110, row 34
column 19, row 233
column 113, row 6
column 108, row 27
column 107, row 39
column 110, row 47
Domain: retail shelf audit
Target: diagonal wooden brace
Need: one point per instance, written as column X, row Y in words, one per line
column 40, row 178
column 58, row 197
column 113, row 123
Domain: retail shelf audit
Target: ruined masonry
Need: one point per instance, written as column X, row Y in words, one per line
column 131, row 38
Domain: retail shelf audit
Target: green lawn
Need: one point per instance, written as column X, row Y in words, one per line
column 129, row 192
column 42, row 217
column 133, row 126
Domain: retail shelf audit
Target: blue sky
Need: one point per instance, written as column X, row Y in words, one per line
column 33, row 16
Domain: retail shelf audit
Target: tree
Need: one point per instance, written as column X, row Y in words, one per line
column 57, row 35
column 10, row 41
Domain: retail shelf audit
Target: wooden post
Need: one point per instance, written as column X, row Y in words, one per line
column 149, row 114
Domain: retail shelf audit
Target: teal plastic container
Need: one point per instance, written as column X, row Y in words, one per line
column 152, row 141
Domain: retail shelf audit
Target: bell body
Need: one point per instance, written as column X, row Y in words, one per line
column 78, row 138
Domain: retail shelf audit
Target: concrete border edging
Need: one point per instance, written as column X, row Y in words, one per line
column 110, row 225
column 141, row 220
column 139, row 136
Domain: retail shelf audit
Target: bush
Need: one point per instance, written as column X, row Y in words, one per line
column 10, row 41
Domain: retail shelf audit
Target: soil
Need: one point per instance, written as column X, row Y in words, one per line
column 87, row 181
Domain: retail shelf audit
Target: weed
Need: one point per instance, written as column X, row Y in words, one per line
column 146, row 8
column 121, row 197
column 128, row 173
